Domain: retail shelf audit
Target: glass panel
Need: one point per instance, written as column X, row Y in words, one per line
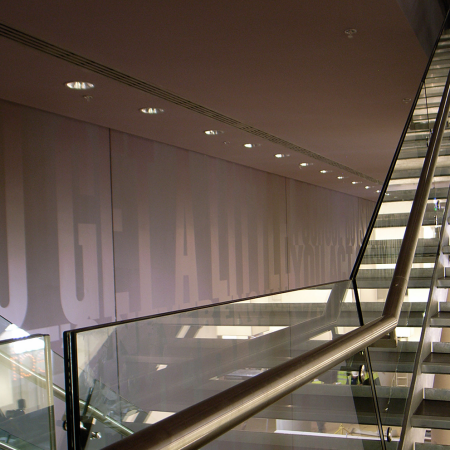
column 9, row 330
column 139, row 372
column 59, row 400
column 335, row 411
column 26, row 401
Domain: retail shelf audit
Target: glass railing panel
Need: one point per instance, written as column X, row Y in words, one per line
column 59, row 400
column 9, row 330
column 10, row 442
column 335, row 411
column 138, row 372
column 26, row 400
column 392, row 362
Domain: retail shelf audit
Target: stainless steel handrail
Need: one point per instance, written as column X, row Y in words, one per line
column 205, row 421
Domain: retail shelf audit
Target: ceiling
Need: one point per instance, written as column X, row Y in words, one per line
column 281, row 74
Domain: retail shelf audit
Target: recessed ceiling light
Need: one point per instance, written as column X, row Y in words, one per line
column 213, row 132
column 325, row 171
column 356, row 182
column 151, row 110
column 79, row 85
column 305, row 164
column 281, row 155
column 350, row 32
column 367, row 187
column 340, row 177
column 249, row 145
column 378, row 191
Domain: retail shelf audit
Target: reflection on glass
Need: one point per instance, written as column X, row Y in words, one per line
column 139, row 372
column 26, row 400
column 336, row 410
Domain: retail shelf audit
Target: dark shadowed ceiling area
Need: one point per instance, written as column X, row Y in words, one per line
column 282, row 75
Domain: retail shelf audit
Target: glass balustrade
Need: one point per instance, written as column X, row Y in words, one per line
column 138, row 372
column 335, row 411
column 26, row 398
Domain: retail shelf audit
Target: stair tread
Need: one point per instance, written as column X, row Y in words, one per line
column 430, row 446
column 438, row 358
column 256, row 440
column 439, row 193
column 436, row 363
column 442, row 318
column 432, row 414
column 386, row 273
column 441, row 347
column 437, row 394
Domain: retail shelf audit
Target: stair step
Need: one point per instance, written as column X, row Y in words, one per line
column 400, row 220
column 394, row 196
column 442, row 318
column 444, row 306
column 437, row 394
column 441, row 347
column 430, row 446
column 385, row 283
column 342, row 409
column 391, row 247
column 400, row 347
column 384, row 361
column 418, row 149
column 254, row 440
column 318, row 390
column 432, row 414
column 381, row 278
column 436, row 363
column 400, row 174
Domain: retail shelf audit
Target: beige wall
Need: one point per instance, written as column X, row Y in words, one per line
column 97, row 225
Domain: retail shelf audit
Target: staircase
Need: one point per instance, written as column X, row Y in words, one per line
column 418, row 354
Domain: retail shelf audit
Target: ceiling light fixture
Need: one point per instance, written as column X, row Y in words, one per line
column 249, row 145
column 305, row 165
column 213, row 132
column 340, row 177
column 367, row 187
column 350, row 32
column 325, row 171
column 281, row 155
column 356, row 182
column 79, row 85
column 151, row 110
